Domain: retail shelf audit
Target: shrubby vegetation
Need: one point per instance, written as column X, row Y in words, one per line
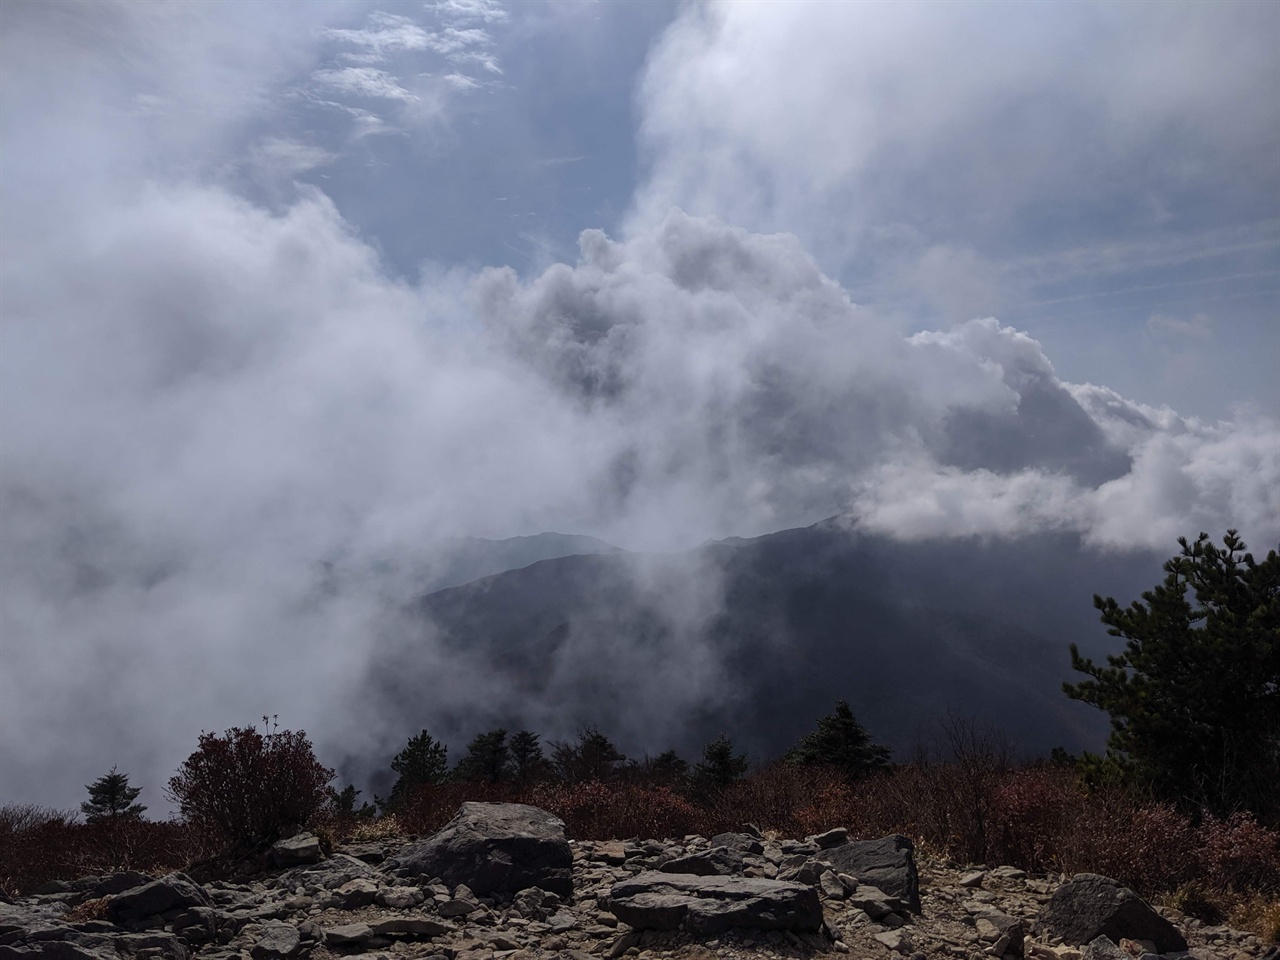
column 247, row 788
column 1180, row 808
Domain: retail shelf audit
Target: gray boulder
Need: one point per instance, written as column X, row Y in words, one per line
column 119, row 883
column 495, row 849
column 1089, row 906
column 741, row 842
column 720, row 862
column 296, row 851
column 711, row 905
column 888, row 863
column 277, row 942
column 176, row 891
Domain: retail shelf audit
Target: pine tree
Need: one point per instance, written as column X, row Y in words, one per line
column 527, row 763
column 594, row 757
column 1194, row 698
column 486, row 758
column 841, row 742
column 423, row 761
column 666, row 769
column 111, row 799
column 719, row 766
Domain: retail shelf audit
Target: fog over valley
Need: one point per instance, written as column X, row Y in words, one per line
column 675, row 369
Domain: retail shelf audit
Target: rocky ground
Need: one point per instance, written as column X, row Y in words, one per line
column 371, row 899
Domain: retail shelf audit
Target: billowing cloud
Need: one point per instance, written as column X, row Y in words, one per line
column 805, row 118
column 204, row 416
column 206, row 401
column 1071, row 168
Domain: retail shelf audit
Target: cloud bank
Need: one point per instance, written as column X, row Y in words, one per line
column 207, row 396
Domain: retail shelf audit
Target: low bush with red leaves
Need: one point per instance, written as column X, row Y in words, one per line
column 38, row 845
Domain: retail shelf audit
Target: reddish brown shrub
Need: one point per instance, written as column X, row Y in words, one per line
column 1149, row 847
column 1239, row 855
column 429, row 806
column 247, row 786
column 1032, row 811
column 610, row 810
column 38, row 845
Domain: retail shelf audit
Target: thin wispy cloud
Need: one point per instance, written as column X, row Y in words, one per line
column 362, row 82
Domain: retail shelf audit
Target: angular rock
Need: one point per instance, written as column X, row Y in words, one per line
column 720, row 862
column 296, row 851
column 119, row 883
column 742, row 842
column 1103, row 949
column 1005, row 932
column 712, row 905
column 892, row 940
column 458, row 908
column 399, row 898
column 496, row 849
column 888, row 863
column 278, row 941
column 874, row 902
column 409, row 927
column 356, row 893
column 199, row 924
column 1089, row 906
column 151, row 946
column 176, row 891
column 348, row 935
column 831, row 886
column 832, row 838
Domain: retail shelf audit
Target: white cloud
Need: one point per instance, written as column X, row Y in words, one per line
column 1168, row 328
column 285, row 157
column 362, row 82
column 488, row 11
column 962, row 124
column 201, row 400
column 386, row 33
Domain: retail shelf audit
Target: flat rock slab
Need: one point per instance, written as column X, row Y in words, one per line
column 720, row 862
column 888, row 863
column 1089, row 906
column 495, row 849
column 712, row 905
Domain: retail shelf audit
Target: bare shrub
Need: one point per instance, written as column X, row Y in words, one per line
column 1238, row 854
column 38, row 845
column 1033, row 809
column 611, row 810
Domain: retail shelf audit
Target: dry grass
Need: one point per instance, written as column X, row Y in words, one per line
column 1258, row 913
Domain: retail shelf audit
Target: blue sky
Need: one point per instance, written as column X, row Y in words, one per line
column 1081, row 183
column 286, row 284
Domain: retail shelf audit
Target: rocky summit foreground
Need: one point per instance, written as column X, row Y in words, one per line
column 516, row 889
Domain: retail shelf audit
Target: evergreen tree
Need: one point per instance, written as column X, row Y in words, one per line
column 423, row 761
column 344, row 802
column 111, row 799
column 593, row 757
column 527, row 763
column 666, row 769
column 719, row 766
column 1194, row 698
column 486, row 758
column 841, row 742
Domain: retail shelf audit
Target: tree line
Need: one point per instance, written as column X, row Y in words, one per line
column 1194, row 702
